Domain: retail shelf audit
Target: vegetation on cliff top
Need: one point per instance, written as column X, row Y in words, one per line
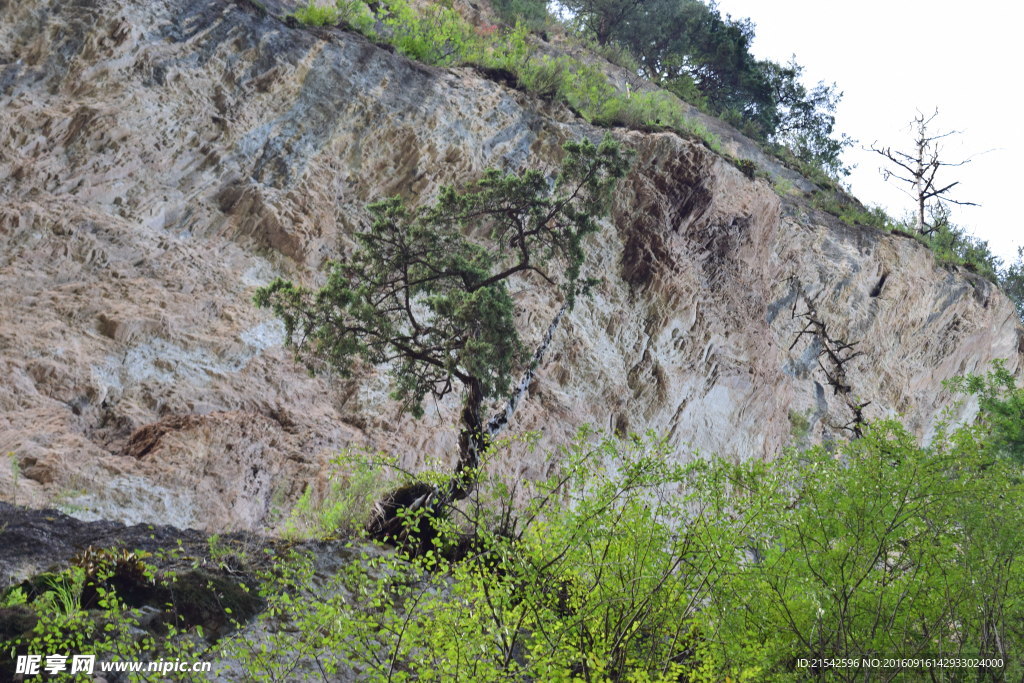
column 690, row 49
column 440, row 35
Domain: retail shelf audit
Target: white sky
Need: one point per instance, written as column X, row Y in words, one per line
column 892, row 58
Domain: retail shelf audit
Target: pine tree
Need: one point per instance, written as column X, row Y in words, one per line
column 426, row 295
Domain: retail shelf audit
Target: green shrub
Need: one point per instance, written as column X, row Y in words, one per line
column 439, row 35
column 851, row 211
column 623, row 566
column 14, row 597
column 616, row 54
column 700, row 131
column 356, row 14
column 952, row 245
column 354, row 485
column 317, row 15
column 873, row 548
column 507, row 49
column 353, row 13
column 747, row 167
column 686, row 89
column 546, row 77
column 799, row 425
column 108, row 628
column 588, row 90
column 784, row 187
column 591, row 579
column 1011, row 280
column 657, row 109
column 808, row 170
column 741, row 122
column 1001, row 408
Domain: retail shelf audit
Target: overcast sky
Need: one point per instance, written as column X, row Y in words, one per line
column 894, row 57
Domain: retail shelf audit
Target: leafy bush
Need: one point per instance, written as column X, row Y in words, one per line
column 593, row 579
column 357, row 15
column 880, row 548
column 685, row 88
column 1001, row 408
column 353, row 13
column 587, row 90
column 506, row 49
column 807, row 169
column 643, row 110
column 622, row 566
column 439, row 35
column 699, row 130
column 546, row 77
column 952, row 245
column 657, row 109
column 313, row 14
column 784, row 187
column 851, row 211
column 106, row 626
column 616, row 54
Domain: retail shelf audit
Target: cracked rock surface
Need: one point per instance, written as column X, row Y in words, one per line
column 160, row 160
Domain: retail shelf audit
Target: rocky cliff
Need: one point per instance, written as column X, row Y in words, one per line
column 159, row 160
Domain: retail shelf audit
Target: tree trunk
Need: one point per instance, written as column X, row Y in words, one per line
column 920, row 214
column 404, row 516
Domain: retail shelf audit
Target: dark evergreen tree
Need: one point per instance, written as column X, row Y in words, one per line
column 426, row 294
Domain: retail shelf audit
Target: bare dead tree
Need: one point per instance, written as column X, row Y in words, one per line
column 833, row 355
column 919, row 168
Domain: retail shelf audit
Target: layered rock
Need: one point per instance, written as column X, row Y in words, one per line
column 160, row 160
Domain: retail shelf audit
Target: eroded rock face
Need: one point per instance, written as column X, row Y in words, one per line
column 160, row 160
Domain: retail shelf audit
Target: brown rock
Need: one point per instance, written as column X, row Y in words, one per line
column 161, row 160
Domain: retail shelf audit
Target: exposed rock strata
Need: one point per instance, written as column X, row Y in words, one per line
column 161, row 159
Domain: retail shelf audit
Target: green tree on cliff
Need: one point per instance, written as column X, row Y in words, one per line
column 426, row 295
column 690, row 48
